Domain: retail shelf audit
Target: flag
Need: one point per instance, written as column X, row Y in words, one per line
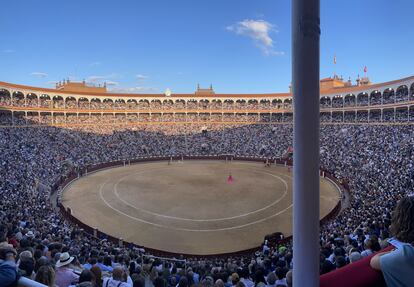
column 335, row 59
column 365, row 69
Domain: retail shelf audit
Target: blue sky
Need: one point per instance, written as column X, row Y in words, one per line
column 240, row 46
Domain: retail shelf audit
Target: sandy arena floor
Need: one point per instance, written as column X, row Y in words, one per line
column 190, row 207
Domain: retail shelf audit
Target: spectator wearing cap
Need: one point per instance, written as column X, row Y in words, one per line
column 65, row 276
column 29, row 234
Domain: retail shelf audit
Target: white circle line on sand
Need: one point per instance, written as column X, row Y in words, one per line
column 186, row 229
column 202, row 220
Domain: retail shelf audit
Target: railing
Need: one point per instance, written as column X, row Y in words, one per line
column 166, row 259
column 25, row 282
column 213, row 110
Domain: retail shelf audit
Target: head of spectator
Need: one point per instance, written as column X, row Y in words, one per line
column 219, row 283
column 234, row 278
column 259, row 278
column 396, row 265
column 289, row 278
column 97, row 272
column 138, row 280
column 64, row 260
column 183, row 282
column 86, row 279
column 271, row 278
column 40, row 262
column 340, row 261
column 8, row 254
column 46, row 275
column 402, row 226
column 354, row 256
column 107, row 261
column 208, row 281
column 8, row 273
column 327, row 266
column 26, row 266
column 118, row 274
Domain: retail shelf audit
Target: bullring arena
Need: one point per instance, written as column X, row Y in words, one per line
column 50, row 137
column 191, row 206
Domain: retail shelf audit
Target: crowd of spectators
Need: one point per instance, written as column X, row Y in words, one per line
column 389, row 96
column 399, row 115
column 376, row 162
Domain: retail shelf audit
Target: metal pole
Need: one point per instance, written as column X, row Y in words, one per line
column 305, row 78
column 25, row 282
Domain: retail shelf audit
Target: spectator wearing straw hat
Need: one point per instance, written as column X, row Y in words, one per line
column 65, row 276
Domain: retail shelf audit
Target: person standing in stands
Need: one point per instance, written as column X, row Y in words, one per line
column 398, row 265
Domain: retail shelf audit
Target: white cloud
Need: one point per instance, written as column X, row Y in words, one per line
column 39, row 74
column 141, row 77
column 104, row 78
column 259, row 31
column 94, row 79
column 112, row 83
column 8, row 51
column 51, row 83
column 134, row 90
column 94, row 64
